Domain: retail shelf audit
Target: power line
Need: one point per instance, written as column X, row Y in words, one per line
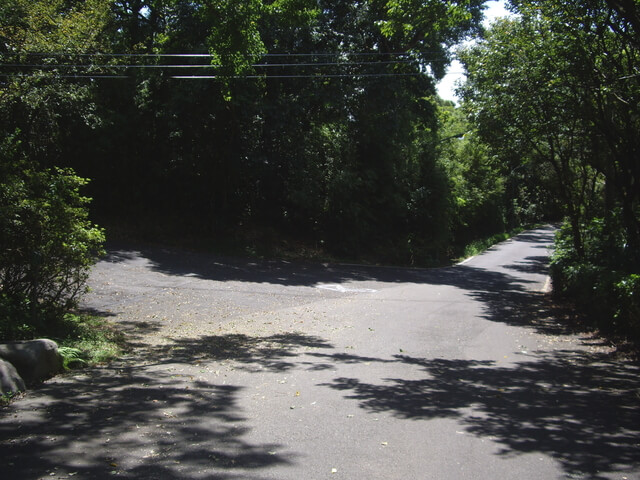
column 202, row 65
column 209, row 55
column 25, row 75
column 87, row 70
column 320, row 76
column 221, row 77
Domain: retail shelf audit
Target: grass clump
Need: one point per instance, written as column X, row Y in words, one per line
column 478, row 246
column 88, row 340
column 82, row 339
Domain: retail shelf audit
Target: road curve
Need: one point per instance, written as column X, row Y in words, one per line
column 275, row 370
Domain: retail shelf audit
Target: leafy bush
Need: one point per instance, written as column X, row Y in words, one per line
column 627, row 296
column 602, row 281
column 15, row 320
column 47, row 243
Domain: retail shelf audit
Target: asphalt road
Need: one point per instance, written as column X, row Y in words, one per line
column 276, row 370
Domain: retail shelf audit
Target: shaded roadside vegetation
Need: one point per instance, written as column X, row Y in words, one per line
column 312, row 125
column 556, row 89
column 47, row 247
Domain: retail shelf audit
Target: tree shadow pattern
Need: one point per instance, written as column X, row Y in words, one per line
column 582, row 411
column 149, row 421
column 178, row 262
column 275, row 353
column 145, row 422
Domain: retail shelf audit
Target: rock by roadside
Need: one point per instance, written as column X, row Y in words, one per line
column 28, row 362
column 10, row 380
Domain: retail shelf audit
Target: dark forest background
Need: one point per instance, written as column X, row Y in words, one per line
column 313, row 127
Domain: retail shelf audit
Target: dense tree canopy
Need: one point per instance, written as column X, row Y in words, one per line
column 248, row 122
column 312, row 117
column 558, row 87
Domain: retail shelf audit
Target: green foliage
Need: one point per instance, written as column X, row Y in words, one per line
column 319, row 123
column 627, row 303
column 602, row 279
column 87, row 340
column 430, row 27
column 42, row 48
column 476, row 177
column 235, row 40
column 71, row 357
column 317, row 120
column 478, row 246
column 524, row 108
column 16, row 321
column 47, row 242
column 554, row 92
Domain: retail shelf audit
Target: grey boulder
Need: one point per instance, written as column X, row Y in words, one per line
column 35, row 360
column 10, row 380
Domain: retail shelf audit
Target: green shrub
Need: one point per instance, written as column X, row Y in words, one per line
column 15, row 321
column 601, row 281
column 47, row 243
column 627, row 295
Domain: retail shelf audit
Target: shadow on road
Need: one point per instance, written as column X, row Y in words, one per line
column 154, row 422
column 580, row 410
column 504, row 292
column 151, row 421
column 276, row 353
column 177, row 262
column 103, row 428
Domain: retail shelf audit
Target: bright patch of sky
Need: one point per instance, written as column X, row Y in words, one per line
column 455, row 72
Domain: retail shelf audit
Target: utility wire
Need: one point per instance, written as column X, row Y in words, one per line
column 25, row 75
column 222, row 77
column 201, row 65
column 209, row 55
column 86, row 69
column 321, row 76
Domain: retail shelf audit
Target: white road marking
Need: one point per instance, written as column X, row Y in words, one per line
column 466, row 260
column 339, row 288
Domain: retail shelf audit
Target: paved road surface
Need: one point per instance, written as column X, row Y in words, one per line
column 274, row 370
